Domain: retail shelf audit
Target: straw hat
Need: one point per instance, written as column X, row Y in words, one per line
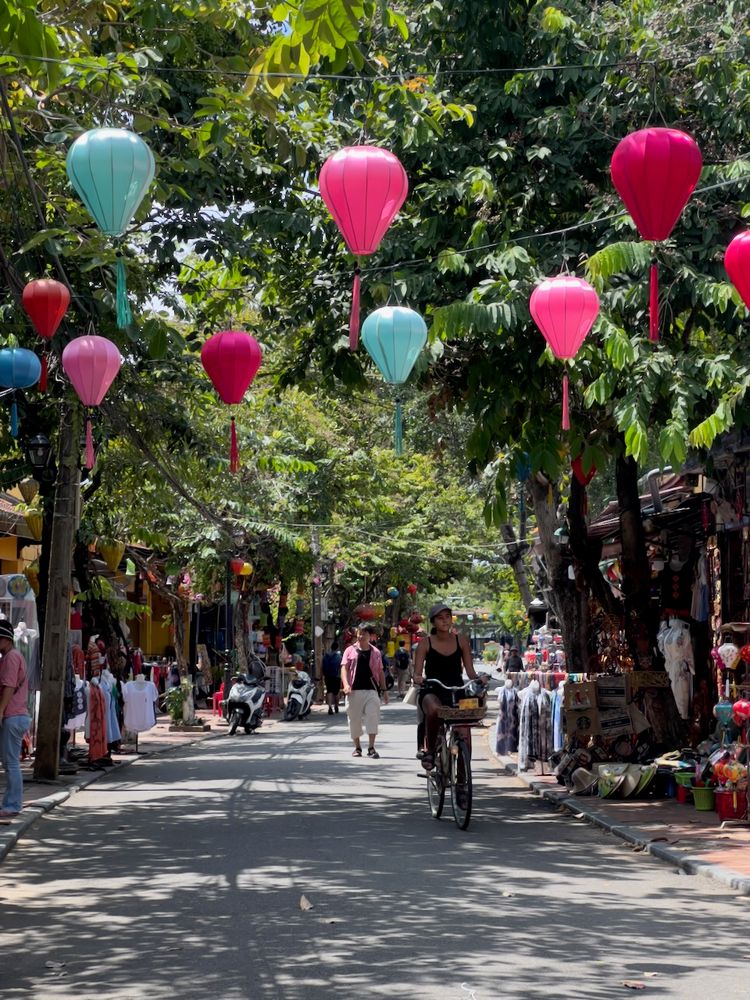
column 584, row 782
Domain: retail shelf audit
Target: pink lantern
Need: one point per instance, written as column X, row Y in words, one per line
column 231, row 360
column 737, row 264
column 91, row 364
column 363, row 188
column 564, row 309
column 741, row 711
column 655, row 171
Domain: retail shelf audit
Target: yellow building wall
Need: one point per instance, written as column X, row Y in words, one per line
column 9, row 562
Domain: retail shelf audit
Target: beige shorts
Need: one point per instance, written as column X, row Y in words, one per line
column 363, row 708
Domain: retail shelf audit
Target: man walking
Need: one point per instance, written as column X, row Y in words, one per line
column 14, row 718
column 403, row 663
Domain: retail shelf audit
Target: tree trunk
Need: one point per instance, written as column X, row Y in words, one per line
column 567, row 600
column 640, row 628
column 515, row 550
column 587, row 552
column 177, row 607
column 57, row 616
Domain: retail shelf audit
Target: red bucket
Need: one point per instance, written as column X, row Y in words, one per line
column 731, row 804
column 684, row 794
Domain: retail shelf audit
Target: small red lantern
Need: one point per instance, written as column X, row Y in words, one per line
column 564, row 309
column 365, row 612
column 655, row 171
column 737, row 264
column 741, row 711
column 416, row 618
column 363, row 188
column 45, row 301
column 236, row 566
column 411, row 589
column 231, row 360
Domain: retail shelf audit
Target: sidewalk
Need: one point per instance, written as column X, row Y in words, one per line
column 695, row 842
column 41, row 796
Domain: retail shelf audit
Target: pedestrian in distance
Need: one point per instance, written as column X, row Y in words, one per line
column 332, row 677
column 14, row 718
column 403, row 667
column 363, row 680
column 514, row 661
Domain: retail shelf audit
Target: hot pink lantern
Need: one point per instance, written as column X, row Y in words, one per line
column 363, row 187
column 564, row 309
column 231, row 360
column 741, row 711
column 91, row 364
column 737, row 264
column 655, row 171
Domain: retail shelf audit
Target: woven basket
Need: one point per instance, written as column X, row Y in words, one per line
column 466, row 715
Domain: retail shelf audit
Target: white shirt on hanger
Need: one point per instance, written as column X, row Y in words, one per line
column 139, row 697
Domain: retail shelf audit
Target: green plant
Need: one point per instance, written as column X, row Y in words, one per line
column 174, row 701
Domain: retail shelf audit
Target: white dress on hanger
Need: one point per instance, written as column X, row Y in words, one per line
column 677, row 647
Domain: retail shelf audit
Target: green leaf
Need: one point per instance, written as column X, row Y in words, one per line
column 157, row 347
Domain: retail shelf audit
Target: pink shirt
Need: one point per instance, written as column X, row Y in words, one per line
column 349, row 663
column 13, row 674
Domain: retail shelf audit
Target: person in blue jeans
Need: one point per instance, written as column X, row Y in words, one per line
column 14, row 718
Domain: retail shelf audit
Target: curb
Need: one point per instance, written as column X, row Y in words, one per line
column 663, row 852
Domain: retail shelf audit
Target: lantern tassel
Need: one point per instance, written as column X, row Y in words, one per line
column 89, row 445
column 43, row 376
column 234, row 452
column 354, row 317
column 124, row 315
column 653, row 317
column 398, row 427
column 13, row 420
column 565, row 405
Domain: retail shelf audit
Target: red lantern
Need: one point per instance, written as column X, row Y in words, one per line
column 737, row 264
column 411, row 589
column 416, row 618
column 231, row 360
column 236, row 566
column 741, row 711
column 45, row 302
column 655, row 171
column 365, row 612
column 363, row 187
column 564, row 309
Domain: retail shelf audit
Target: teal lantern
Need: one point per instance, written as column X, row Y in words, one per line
column 394, row 337
column 111, row 170
column 19, row 369
column 393, row 592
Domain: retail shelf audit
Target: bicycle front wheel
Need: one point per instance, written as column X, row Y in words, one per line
column 461, row 788
column 436, row 786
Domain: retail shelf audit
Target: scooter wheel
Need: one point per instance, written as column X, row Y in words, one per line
column 233, row 723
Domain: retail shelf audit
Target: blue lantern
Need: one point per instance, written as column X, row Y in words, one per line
column 393, row 592
column 394, row 337
column 111, row 169
column 19, row 369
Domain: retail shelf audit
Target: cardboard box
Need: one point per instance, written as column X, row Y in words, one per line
column 615, row 722
column 612, row 691
column 582, row 722
column 639, row 679
column 581, row 695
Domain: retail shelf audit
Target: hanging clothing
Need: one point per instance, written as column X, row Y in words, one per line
column 140, row 701
column 676, row 646
column 96, row 723
column 557, row 707
column 506, row 727
column 535, row 727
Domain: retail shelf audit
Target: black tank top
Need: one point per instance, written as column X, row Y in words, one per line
column 447, row 668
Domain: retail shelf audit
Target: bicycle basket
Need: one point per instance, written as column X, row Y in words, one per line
column 464, row 715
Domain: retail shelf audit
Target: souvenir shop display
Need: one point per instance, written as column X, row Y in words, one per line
column 139, row 697
column 535, row 726
column 506, row 727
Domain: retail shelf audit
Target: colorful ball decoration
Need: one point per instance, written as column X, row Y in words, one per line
column 365, row 612
column 247, row 569
column 231, row 360
column 411, row 589
column 393, row 593
column 394, row 337
column 91, row 363
column 564, row 308
column 45, row 302
column 19, row 369
column 745, row 653
column 729, row 654
column 741, row 711
column 379, row 609
column 363, row 188
column 111, row 169
column 655, row 171
column 235, row 565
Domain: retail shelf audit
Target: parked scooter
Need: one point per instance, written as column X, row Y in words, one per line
column 299, row 697
column 246, row 699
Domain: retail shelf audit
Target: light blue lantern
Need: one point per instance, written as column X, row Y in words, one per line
column 111, row 169
column 394, row 337
column 19, row 369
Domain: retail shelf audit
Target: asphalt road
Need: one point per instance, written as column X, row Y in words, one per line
column 182, row 876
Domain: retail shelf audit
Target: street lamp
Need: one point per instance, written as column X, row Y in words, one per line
column 38, row 451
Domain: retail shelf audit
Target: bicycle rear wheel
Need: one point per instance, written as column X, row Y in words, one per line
column 436, row 785
column 461, row 787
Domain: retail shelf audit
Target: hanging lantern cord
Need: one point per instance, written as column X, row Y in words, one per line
column 89, row 442
column 354, row 317
column 398, row 428
column 234, row 452
column 13, row 418
column 653, row 311
column 565, row 403
column 43, row 376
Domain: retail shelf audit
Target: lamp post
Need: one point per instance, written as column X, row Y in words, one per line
column 38, row 452
column 237, row 538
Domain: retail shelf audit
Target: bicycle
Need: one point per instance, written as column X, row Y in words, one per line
column 453, row 753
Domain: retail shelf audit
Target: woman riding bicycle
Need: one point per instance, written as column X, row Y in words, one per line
column 442, row 656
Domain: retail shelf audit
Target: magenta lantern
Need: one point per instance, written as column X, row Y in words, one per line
column 655, row 171
column 564, row 309
column 363, row 187
column 231, row 360
column 741, row 711
column 91, row 364
column 737, row 264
